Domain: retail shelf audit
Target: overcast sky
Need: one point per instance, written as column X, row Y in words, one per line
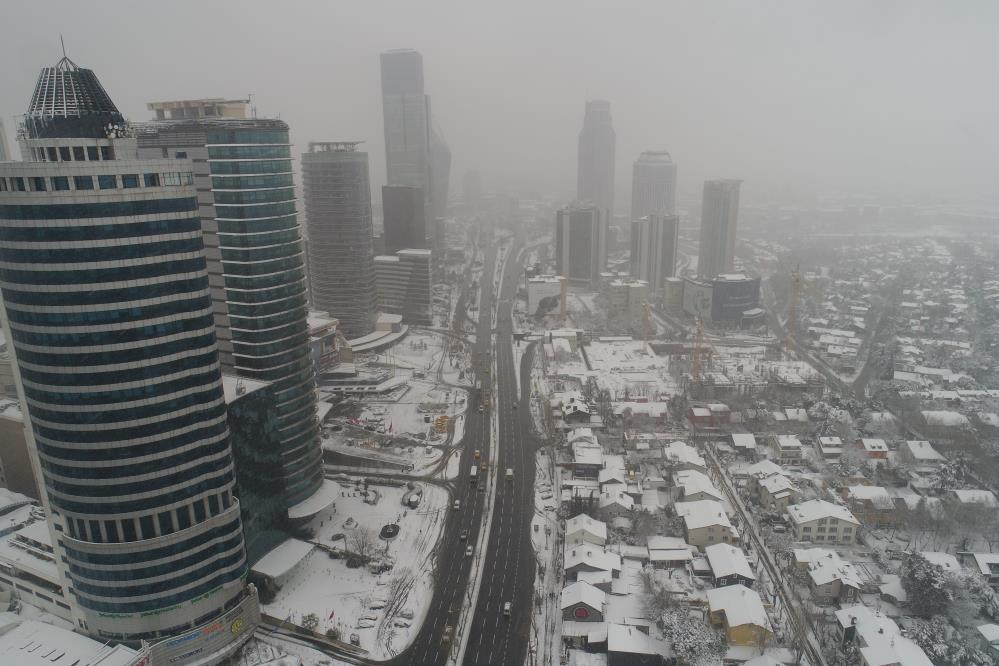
column 897, row 99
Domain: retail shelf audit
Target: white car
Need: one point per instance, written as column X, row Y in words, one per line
column 468, row 552
column 506, row 608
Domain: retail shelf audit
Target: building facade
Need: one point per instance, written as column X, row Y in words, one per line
column 595, row 168
column 407, row 119
column 243, row 173
column 654, row 240
column 719, row 218
column 653, row 185
column 581, row 243
column 404, row 215
column 4, row 146
column 110, row 323
column 403, row 285
column 338, row 224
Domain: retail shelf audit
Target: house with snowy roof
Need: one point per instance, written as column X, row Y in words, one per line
column 705, row 522
column 872, row 505
column 583, row 602
column 830, row 578
column 942, row 424
column 830, row 448
column 974, row 496
column 681, row 456
column 744, row 444
column 920, row 455
column 823, row 522
column 873, row 448
column 786, row 449
column 878, row 637
column 729, row 565
column 987, row 564
column 583, row 529
column 777, row 492
column 615, row 504
column 740, row 612
column 589, row 558
column 668, row 552
column 692, row 485
column 630, row 646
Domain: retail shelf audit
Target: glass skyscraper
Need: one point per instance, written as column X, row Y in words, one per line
column 109, row 319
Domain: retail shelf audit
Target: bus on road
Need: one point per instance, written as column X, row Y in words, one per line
column 474, row 476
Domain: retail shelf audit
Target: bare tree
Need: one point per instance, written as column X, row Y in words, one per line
column 362, row 543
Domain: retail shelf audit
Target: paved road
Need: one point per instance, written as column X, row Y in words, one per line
column 509, row 567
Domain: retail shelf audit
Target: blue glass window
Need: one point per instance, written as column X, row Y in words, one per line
column 60, row 183
column 109, row 182
column 83, row 182
column 151, row 179
column 129, row 180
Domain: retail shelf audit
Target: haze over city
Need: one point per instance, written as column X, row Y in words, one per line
column 796, row 98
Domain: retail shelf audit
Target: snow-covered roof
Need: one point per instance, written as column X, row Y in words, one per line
column 830, row 443
column 870, row 493
column 923, row 451
column 776, row 483
column 825, row 566
column 973, row 496
column 694, row 482
column 581, row 592
column 702, row 513
column 701, row 412
column 788, row 442
column 891, row 585
column 587, row 455
column 988, row 563
column 582, row 434
column 764, row 468
column 873, row 445
column 899, row 650
column 945, row 418
column 990, row 632
column 681, row 452
column 583, row 522
column 670, row 555
column 622, row 638
column 945, row 560
column 282, row 558
column 741, row 606
column 811, row 510
column 593, row 556
column 609, row 474
column 617, row 498
column 656, row 542
column 870, row 624
column 727, row 560
column 593, row 632
column 744, row 440
column 30, row 643
column 595, row 577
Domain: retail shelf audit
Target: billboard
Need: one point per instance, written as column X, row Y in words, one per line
column 697, row 298
column 217, row 637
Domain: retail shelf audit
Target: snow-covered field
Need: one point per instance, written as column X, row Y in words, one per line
column 385, row 610
column 547, row 538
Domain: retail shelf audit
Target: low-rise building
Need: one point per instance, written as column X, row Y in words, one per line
column 590, row 558
column 583, row 602
column 583, row 529
column 878, row 637
column 777, row 492
column 975, row 496
column 615, row 504
column 740, row 612
column 920, row 454
column 25, row 642
column 872, row 505
column 744, row 444
column 830, row 578
column 694, row 485
column 786, row 449
column 668, row 552
column 830, row 448
column 681, row 456
column 823, row 522
column 28, row 568
column 705, row 522
column 729, row 565
column 873, row 448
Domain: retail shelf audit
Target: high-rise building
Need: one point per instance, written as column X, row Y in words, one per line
column 653, row 185
column 595, row 172
column 243, row 172
column 108, row 315
column 4, row 146
column 719, row 216
column 338, row 221
column 440, row 173
column 581, row 243
column 654, row 240
column 404, row 219
column 407, row 121
column 403, row 282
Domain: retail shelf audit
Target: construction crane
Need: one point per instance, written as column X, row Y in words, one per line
column 650, row 329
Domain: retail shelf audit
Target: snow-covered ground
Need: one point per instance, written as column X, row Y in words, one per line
column 271, row 649
column 547, row 539
column 374, row 606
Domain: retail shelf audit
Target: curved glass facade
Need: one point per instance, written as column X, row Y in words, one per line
column 263, row 265
column 110, row 320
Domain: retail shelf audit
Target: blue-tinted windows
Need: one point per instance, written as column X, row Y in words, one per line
column 151, row 179
column 59, row 184
column 93, row 154
column 107, row 152
column 83, row 182
column 64, row 154
column 129, row 180
column 78, row 154
column 38, row 184
column 107, row 182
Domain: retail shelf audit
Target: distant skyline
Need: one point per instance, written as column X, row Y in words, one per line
column 889, row 98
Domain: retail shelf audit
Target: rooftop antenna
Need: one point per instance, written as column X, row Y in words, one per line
column 61, row 41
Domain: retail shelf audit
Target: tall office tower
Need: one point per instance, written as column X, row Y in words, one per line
column 109, row 319
column 653, row 185
column 654, row 240
column 595, row 174
column 338, row 222
column 404, row 285
column 719, row 216
column 4, row 146
column 407, row 126
column 248, row 219
column 581, row 243
column 404, row 216
column 440, row 173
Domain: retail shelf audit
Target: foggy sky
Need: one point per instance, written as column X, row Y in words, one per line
column 895, row 99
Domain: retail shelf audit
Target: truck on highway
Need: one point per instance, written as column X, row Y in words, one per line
column 473, row 477
column 509, row 474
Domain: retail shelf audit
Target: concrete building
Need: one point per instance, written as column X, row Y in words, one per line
column 672, row 294
column 199, row 108
column 246, row 204
column 595, row 168
column 15, row 460
column 654, row 241
column 626, row 302
column 653, row 185
column 122, row 389
column 338, row 225
column 25, row 642
column 823, row 522
column 727, row 299
column 403, row 285
column 740, row 612
column 546, row 295
column 581, row 243
column 440, row 177
column 719, row 217
column 4, row 146
column 705, row 522
column 405, row 222
column 324, row 341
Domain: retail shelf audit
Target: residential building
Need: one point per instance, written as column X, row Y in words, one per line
column 695, row 485
column 654, row 242
column 830, row 448
column 777, row 492
column 786, row 449
column 681, row 456
column 719, row 218
column 668, row 552
column 109, row 316
column 653, row 185
column 830, row 578
column 871, row 505
column 405, row 223
column 985, row 498
column 705, row 522
column 338, row 226
column 873, row 448
column 744, row 444
column 595, row 172
column 403, row 285
column 880, row 641
column 630, row 645
column 626, row 303
column 740, row 612
column 581, row 243
column 586, row 558
column 583, row 530
column 583, row 602
column 823, row 522
column 256, row 268
column 920, row 455
column 729, row 565
column 615, row 504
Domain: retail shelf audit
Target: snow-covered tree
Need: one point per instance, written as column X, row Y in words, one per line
column 693, row 641
column 944, row 646
column 927, row 585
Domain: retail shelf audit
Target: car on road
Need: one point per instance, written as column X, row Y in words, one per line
column 482, row 467
column 481, row 409
column 464, row 535
column 478, row 454
column 448, row 632
column 509, row 474
column 468, row 552
column 457, row 504
column 506, row 608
